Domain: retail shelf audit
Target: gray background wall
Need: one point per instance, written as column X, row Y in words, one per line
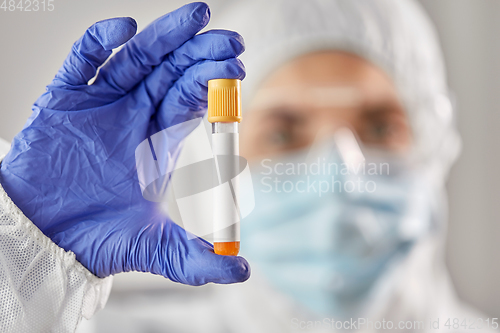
column 33, row 45
column 470, row 36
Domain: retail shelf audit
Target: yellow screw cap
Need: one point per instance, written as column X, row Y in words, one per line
column 224, row 101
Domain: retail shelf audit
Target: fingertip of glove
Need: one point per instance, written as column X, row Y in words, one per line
column 236, row 41
column 201, row 12
column 235, row 69
column 232, row 68
column 114, row 32
column 128, row 27
column 238, row 44
column 240, row 270
column 132, row 24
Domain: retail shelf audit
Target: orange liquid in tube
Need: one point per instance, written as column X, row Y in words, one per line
column 227, row 248
column 224, row 112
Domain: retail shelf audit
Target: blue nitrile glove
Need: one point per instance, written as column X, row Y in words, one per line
column 71, row 170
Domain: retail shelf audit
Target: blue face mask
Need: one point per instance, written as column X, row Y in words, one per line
column 323, row 233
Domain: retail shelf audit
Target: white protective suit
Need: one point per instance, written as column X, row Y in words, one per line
column 46, row 289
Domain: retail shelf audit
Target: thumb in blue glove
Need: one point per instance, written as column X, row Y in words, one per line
column 71, row 170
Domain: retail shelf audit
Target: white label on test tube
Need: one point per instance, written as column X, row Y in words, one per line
column 226, row 210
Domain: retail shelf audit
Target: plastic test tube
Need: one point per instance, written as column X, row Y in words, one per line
column 224, row 112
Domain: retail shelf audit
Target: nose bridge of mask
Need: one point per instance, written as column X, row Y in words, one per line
column 349, row 149
column 344, row 157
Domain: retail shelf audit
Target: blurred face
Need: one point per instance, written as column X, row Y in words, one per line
column 312, row 96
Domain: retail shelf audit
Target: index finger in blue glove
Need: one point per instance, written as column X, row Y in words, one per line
column 148, row 48
column 92, row 49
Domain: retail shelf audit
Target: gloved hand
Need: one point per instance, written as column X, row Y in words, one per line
column 71, row 170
